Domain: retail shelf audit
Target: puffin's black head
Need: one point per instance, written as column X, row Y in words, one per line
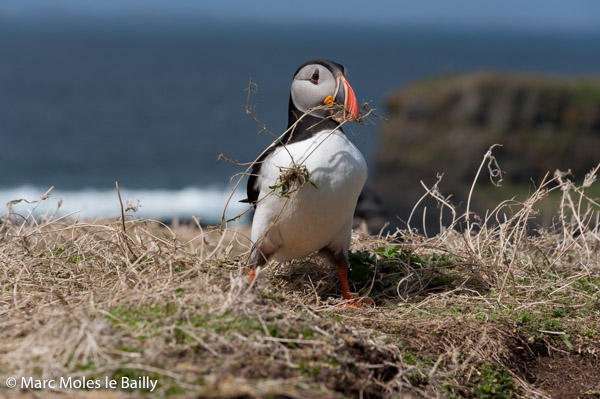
column 322, row 82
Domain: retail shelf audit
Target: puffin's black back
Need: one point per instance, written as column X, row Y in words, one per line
column 305, row 129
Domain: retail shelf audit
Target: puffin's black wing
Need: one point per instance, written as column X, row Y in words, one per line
column 252, row 189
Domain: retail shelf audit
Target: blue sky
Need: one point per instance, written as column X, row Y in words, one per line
column 574, row 15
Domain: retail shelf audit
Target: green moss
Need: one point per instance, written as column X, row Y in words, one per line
column 391, row 263
column 226, row 323
column 487, row 381
column 589, row 285
column 309, row 370
column 306, row 333
column 131, row 349
column 137, row 317
column 493, row 382
column 410, row 358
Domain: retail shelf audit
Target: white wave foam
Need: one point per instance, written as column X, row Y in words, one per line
column 205, row 203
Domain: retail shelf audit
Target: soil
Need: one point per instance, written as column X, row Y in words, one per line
column 566, row 375
column 548, row 365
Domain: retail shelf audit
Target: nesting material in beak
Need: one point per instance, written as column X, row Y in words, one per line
column 350, row 111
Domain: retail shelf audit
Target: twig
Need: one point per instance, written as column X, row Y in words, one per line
column 490, row 158
column 125, row 236
column 122, row 210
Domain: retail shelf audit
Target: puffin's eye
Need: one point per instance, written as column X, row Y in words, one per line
column 315, row 77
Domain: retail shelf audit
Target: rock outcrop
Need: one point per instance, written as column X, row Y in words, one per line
column 446, row 125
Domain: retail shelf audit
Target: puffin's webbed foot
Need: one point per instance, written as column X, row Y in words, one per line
column 257, row 259
column 349, row 302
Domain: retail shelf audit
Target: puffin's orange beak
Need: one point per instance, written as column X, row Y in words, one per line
column 350, row 104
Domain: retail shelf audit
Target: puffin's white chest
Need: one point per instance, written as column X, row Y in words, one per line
column 312, row 217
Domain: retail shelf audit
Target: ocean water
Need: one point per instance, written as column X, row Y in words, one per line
column 152, row 108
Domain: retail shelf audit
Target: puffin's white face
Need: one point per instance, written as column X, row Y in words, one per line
column 315, row 85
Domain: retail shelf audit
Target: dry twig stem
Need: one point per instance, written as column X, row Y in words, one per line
column 122, row 210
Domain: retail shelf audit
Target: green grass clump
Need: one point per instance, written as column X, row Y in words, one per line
column 387, row 265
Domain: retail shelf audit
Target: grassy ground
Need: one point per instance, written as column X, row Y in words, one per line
column 498, row 310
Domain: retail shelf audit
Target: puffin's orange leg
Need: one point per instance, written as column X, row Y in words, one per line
column 257, row 259
column 343, row 273
column 356, row 303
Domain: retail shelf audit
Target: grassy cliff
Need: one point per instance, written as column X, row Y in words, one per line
column 444, row 125
column 494, row 311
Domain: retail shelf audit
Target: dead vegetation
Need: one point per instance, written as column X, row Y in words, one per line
column 501, row 309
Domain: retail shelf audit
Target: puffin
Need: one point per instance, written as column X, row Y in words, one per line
column 305, row 186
